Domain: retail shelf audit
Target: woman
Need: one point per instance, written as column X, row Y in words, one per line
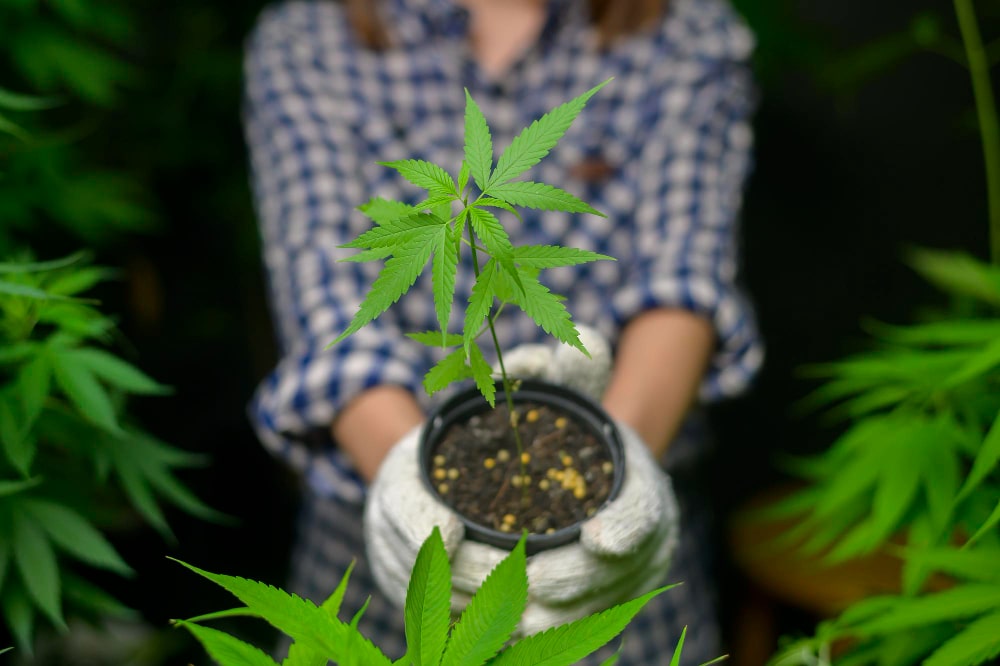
column 663, row 151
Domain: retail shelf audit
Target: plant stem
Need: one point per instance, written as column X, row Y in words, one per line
column 989, row 127
column 508, row 387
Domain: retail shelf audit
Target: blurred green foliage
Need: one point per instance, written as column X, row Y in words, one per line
column 72, row 459
column 73, row 462
column 920, row 456
column 74, row 53
column 919, row 452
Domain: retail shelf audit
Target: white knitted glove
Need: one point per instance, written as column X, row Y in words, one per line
column 624, row 550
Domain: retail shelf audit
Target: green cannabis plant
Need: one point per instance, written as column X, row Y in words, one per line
column 919, row 458
column 74, row 60
column 457, row 214
column 481, row 635
column 72, row 464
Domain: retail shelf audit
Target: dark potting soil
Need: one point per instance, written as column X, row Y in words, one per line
column 566, row 477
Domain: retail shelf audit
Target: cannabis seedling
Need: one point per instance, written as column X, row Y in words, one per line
column 408, row 236
column 477, row 638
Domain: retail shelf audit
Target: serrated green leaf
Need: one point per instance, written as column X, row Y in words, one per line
column 910, row 647
column 75, row 535
column 941, row 333
column 675, row 660
column 302, row 655
column 940, row 481
column 867, row 608
column 858, row 476
column 491, row 233
column 144, row 445
column 975, row 564
column 986, row 460
column 34, row 381
column 547, row 311
column 374, row 254
column 439, row 205
column 428, row 603
column 83, row 594
column 463, row 177
column 983, row 361
column 452, row 368
column 444, row 268
column 433, row 338
column 979, row 642
column 242, row 611
column 426, row 175
column 18, row 352
column 987, row 526
column 552, row 256
column 71, row 283
column 569, row 643
column 144, row 465
column 540, row 196
column 16, row 441
column 861, row 539
column 898, row 482
column 166, row 484
column 482, row 373
column 492, row 614
column 870, row 401
column 395, row 278
column 116, row 372
column 953, row 604
column 141, row 496
column 40, row 266
column 8, row 488
column 25, row 291
column 958, row 273
column 478, row 143
column 13, row 101
column 36, row 564
column 490, row 202
column 361, row 611
column 297, row 617
column 480, row 302
column 227, row 650
column 394, row 233
column 77, row 381
column 383, row 211
column 459, row 229
column 508, row 290
column 920, row 533
column 332, row 603
column 536, row 140
column 20, row 616
column 823, row 533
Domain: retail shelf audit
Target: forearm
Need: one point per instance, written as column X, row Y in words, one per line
column 659, row 364
column 372, row 422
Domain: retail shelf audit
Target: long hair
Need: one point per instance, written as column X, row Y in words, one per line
column 612, row 19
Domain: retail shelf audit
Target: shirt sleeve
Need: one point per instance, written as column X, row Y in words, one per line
column 691, row 174
column 305, row 172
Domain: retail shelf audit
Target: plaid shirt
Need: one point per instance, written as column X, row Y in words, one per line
column 321, row 109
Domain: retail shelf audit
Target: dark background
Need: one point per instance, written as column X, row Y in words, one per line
column 867, row 145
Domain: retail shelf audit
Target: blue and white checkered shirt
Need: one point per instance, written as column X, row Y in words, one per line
column 321, row 109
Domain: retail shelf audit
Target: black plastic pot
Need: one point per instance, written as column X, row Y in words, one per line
column 470, row 402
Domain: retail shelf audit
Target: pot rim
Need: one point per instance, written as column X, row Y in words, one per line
column 470, row 401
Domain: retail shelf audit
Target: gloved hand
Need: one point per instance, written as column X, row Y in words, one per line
column 624, row 549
